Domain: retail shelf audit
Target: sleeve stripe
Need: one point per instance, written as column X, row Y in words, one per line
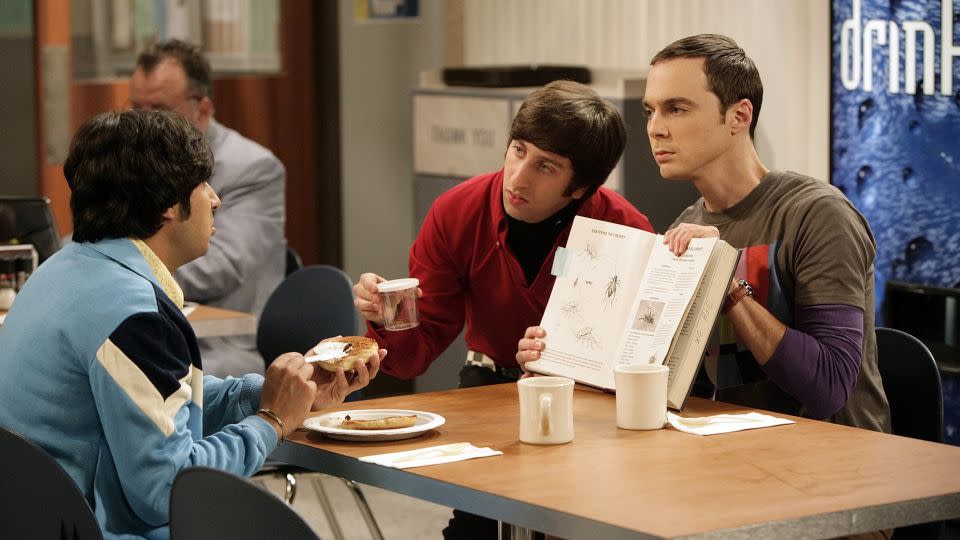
column 143, row 393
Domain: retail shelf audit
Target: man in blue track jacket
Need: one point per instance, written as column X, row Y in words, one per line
column 98, row 364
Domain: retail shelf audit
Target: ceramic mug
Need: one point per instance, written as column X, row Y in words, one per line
column 546, row 410
column 641, row 395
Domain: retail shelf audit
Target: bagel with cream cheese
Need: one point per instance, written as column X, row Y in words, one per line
column 343, row 352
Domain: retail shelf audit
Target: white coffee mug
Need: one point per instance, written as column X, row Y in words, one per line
column 641, row 395
column 546, row 410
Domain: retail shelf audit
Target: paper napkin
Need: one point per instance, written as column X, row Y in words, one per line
column 431, row 455
column 188, row 308
column 724, row 423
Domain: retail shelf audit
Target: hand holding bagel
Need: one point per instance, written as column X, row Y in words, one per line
column 346, row 364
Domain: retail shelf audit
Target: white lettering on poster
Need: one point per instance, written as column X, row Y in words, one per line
column 857, row 41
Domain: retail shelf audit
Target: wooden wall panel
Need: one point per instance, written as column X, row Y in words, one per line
column 52, row 19
column 90, row 98
column 280, row 112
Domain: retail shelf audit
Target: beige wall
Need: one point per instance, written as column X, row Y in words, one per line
column 380, row 63
column 788, row 39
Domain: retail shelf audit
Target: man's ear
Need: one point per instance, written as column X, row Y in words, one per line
column 204, row 112
column 578, row 193
column 172, row 213
column 740, row 116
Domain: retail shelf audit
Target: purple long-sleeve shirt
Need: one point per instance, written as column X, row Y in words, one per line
column 818, row 362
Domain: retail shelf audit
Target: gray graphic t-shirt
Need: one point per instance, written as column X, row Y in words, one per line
column 803, row 244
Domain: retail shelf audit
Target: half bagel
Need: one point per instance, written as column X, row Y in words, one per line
column 343, row 352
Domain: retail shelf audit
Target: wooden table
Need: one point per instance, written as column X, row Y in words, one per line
column 810, row 479
column 209, row 321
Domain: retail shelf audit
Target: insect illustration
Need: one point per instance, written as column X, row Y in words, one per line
column 648, row 316
column 570, row 309
column 588, row 339
column 610, row 294
column 591, row 253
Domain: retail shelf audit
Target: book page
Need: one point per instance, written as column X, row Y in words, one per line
column 662, row 300
column 591, row 300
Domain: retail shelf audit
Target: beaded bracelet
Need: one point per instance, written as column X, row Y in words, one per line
column 276, row 418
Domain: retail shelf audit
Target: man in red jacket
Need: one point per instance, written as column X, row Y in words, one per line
column 485, row 251
column 486, row 248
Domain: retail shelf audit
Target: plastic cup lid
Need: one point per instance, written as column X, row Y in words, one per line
column 395, row 285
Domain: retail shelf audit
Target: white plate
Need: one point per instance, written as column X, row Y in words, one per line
column 329, row 425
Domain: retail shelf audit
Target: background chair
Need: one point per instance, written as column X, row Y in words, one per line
column 39, row 499
column 211, row 504
column 293, row 261
column 310, row 304
column 911, row 381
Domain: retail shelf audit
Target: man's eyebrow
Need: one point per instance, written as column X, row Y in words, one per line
column 671, row 101
column 554, row 159
column 553, row 162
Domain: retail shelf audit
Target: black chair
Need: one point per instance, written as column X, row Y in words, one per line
column 911, row 381
column 215, row 505
column 293, row 262
column 310, row 304
column 313, row 303
column 39, row 499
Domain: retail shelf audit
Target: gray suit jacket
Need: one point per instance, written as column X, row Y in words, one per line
column 246, row 260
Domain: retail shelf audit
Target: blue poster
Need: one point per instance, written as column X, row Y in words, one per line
column 895, row 148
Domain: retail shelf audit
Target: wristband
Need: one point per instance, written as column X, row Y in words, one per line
column 742, row 291
column 273, row 416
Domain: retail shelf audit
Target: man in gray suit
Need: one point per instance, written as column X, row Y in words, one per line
column 246, row 260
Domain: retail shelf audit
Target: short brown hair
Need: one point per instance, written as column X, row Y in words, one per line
column 731, row 74
column 191, row 59
column 571, row 120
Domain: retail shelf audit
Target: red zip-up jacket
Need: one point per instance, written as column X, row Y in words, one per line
column 468, row 275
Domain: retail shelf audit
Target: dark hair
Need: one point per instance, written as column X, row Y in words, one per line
column 191, row 59
column 125, row 169
column 731, row 74
column 571, row 120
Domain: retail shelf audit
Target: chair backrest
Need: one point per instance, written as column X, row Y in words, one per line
column 911, row 381
column 212, row 504
column 311, row 304
column 293, row 262
column 39, row 499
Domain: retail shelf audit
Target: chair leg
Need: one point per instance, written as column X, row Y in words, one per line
column 324, row 500
column 364, row 509
column 290, row 489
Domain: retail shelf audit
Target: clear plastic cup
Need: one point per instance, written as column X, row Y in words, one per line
column 399, row 300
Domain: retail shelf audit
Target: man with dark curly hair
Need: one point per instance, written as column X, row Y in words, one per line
column 99, row 366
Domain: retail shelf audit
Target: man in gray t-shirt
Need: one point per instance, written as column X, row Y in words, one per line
column 807, row 253
column 797, row 333
column 803, row 340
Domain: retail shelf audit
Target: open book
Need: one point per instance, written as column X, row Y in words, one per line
column 621, row 297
